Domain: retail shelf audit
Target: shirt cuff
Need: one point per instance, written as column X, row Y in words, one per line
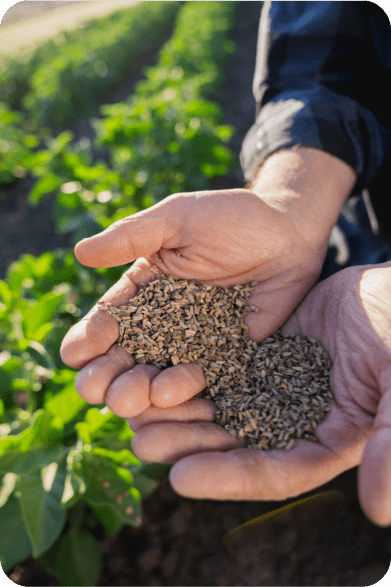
column 332, row 123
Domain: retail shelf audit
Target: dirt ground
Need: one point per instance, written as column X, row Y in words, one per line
column 27, row 23
column 180, row 541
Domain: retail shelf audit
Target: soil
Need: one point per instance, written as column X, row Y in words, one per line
column 180, row 541
column 26, row 23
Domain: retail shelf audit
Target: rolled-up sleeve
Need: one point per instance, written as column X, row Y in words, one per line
column 322, row 80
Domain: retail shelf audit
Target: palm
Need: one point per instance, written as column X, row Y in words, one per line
column 350, row 314
column 225, row 238
column 347, row 316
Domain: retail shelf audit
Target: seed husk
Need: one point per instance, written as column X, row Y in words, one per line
column 269, row 395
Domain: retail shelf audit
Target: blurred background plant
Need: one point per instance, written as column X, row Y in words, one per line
column 65, row 467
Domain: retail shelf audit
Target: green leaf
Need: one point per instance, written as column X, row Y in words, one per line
column 109, row 518
column 43, row 186
column 74, row 488
column 36, row 447
column 155, row 470
column 16, row 274
column 15, row 545
column 101, row 423
column 110, row 485
column 5, row 293
column 42, row 265
column 198, row 108
column 27, row 463
column 43, row 331
column 46, row 431
column 224, row 132
column 9, row 363
column 120, row 457
column 40, row 496
column 222, row 154
column 7, row 486
column 79, row 560
column 66, row 404
column 5, row 387
column 40, row 313
column 145, row 485
column 61, row 141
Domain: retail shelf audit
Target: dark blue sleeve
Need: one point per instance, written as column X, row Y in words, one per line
column 322, row 80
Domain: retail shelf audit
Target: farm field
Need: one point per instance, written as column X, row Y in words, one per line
column 66, row 177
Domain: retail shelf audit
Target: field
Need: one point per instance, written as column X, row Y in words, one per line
column 86, row 138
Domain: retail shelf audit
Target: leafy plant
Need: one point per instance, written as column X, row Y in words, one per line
column 167, row 138
column 67, row 469
column 61, row 461
column 68, row 75
column 15, row 146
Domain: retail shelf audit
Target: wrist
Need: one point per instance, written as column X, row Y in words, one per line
column 309, row 187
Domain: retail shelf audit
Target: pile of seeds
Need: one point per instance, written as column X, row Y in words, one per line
column 268, row 394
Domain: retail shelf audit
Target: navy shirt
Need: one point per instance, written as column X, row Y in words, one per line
column 323, row 80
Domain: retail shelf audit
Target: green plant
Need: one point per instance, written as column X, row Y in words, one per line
column 68, row 75
column 15, row 146
column 64, row 467
column 167, row 138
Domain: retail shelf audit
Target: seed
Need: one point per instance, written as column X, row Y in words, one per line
column 268, row 395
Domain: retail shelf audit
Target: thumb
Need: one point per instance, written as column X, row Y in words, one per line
column 374, row 475
column 128, row 239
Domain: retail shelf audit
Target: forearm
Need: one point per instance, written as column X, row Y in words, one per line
column 309, row 186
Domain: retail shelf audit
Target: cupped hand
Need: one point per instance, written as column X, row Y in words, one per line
column 220, row 237
column 350, row 313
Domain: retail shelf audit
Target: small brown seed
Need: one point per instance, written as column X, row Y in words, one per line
column 269, row 394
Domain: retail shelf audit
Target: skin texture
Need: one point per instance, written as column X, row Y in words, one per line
column 350, row 313
column 275, row 233
column 224, row 238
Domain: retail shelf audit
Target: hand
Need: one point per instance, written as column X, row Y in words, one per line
column 277, row 234
column 350, row 313
column 224, row 238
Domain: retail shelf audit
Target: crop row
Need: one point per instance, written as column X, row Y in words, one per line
column 67, row 469
column 165, row 139
column 68, row 75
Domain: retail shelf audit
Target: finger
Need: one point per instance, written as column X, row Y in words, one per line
column 128, row 395
column 374, row 486
column 374, row 478
column 196, row 409
column 95, row 378
column 267, row 475
column 139, row 235
column 98, row 330
column 176, row 385
column 169, row 441
column 251, row 474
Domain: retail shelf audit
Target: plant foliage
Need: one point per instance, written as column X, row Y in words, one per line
column 165, row 139
column 59, row 458
column 67, row 469
column 68, row 75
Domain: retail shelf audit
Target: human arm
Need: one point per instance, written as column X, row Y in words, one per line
column 322, row 80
